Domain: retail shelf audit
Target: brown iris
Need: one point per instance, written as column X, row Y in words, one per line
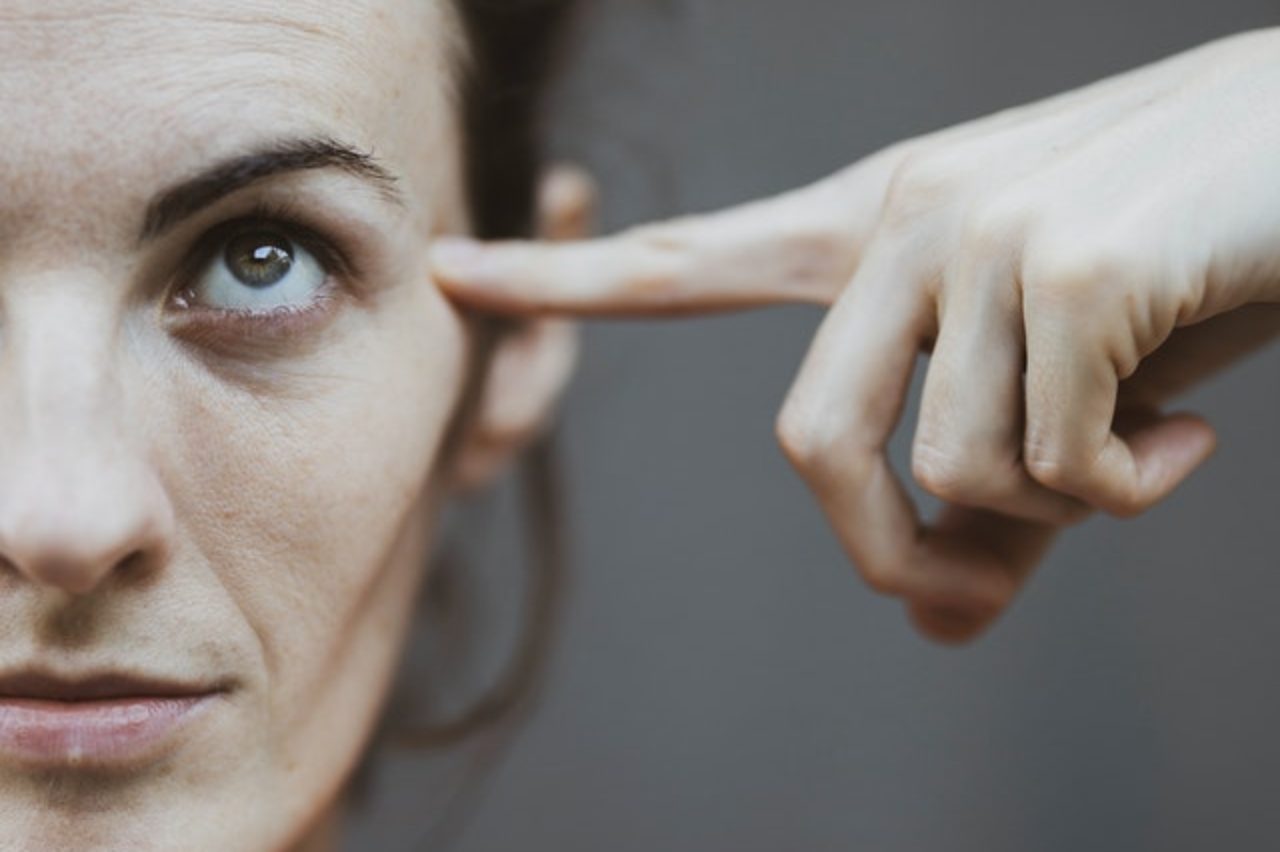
column 259, row 259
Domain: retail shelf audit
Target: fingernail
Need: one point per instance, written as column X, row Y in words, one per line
column 456, row 257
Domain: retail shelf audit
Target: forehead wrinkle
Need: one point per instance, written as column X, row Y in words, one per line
column 55, row 30
column 31, row 18
column 112, row 106
column 155, row 48
column 168, row 86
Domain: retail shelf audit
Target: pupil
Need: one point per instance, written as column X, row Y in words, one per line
column 259, row 260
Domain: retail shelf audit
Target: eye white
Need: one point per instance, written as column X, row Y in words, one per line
column 259, row 271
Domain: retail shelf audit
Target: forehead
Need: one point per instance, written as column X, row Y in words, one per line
column 124, row 90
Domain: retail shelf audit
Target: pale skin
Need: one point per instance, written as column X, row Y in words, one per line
column 1071, row 265
column 191, row 491
column 216, row 482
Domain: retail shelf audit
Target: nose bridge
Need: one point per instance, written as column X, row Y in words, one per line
column 77, row 494
column 60, row 371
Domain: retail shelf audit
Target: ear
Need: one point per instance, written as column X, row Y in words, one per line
column 532, row 364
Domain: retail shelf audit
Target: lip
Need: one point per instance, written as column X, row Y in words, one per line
column 100, row 720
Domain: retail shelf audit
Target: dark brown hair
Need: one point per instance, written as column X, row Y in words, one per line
column 511, row 49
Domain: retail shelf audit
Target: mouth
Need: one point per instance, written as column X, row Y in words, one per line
column 99, row 719
column 47, row 687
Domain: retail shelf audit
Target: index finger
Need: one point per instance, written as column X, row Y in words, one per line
column 801, row 246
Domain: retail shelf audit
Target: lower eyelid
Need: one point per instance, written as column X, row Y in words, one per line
column 349, row 254
column 229, row 327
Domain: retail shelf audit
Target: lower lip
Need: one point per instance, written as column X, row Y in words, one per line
column 101, row 732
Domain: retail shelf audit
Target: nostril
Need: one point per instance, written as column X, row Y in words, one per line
column 75, row 521
column 79, row 556
column 133, row 567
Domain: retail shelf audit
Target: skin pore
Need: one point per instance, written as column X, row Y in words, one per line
column 202, row 478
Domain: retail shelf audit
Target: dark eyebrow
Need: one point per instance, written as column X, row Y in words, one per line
column 289, row 155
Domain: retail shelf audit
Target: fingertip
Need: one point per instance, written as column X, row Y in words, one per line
column 947, row 626
column 1208, row 435
column 1187, row 442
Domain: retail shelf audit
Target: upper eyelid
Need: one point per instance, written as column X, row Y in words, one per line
column 355, row 245
column 206, row 246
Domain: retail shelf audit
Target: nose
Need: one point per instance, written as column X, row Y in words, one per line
column 70, row 522
column 78, row 500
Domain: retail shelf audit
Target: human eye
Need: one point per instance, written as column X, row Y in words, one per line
column 259, row 270
column 260, row 275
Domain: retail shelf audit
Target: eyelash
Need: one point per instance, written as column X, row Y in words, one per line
column 217, row 323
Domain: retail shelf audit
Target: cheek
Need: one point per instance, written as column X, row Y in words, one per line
column 311, row 500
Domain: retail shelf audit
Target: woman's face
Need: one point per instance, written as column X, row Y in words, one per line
column 224, row 383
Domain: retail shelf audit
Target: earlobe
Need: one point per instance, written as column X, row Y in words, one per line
column 532, row 364
column 567, row 204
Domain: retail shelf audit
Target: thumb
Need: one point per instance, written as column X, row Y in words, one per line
column 1166, row 448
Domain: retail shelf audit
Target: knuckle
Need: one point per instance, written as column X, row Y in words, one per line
column 1049, row 466
column 1081, row 476
column 1046, row 463
column 951, row 476
column 803, row 439
column 996, row 226
column 921, row 184
column 1079, row 273
column 820, row 448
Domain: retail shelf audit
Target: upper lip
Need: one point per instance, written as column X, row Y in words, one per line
column 98, row 685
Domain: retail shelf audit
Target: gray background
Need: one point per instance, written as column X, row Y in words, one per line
column 723, row 680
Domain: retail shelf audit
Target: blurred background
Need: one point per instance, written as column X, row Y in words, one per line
column 723, row 680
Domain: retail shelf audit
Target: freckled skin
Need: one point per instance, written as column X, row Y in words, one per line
column 282, row 499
